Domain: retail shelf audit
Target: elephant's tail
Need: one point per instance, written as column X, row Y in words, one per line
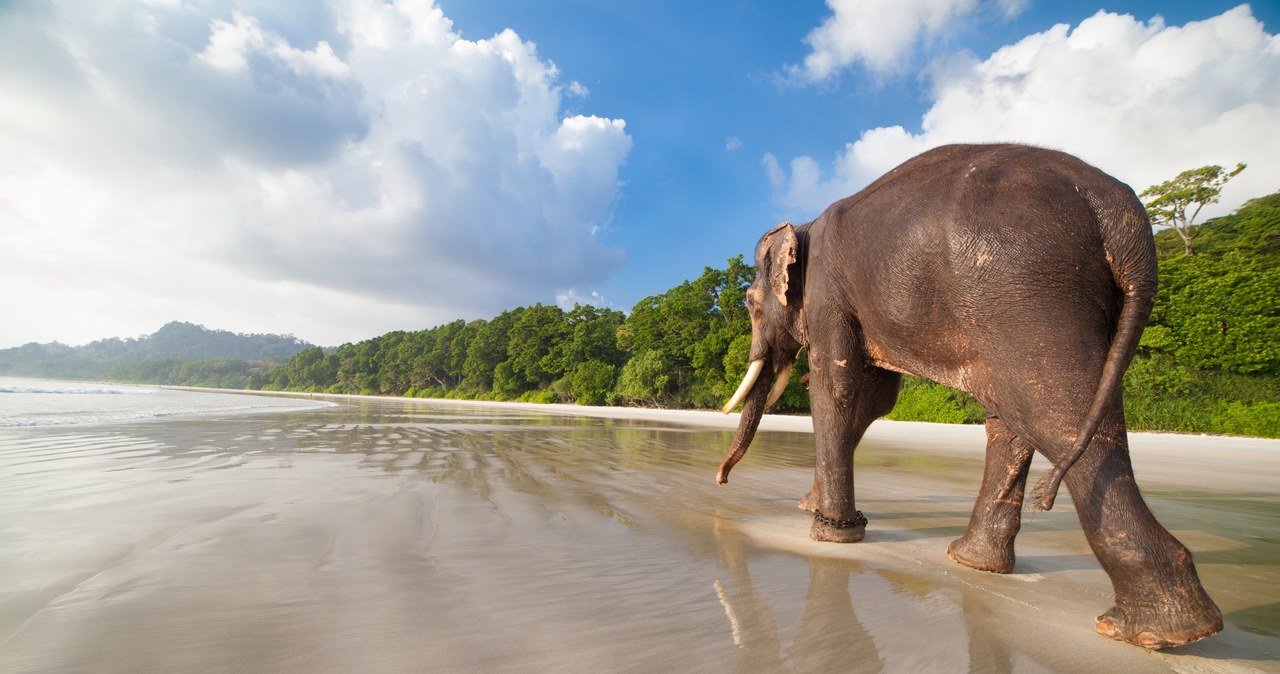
column 1130, row 250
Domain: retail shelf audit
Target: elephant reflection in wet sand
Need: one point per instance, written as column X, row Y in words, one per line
column 832, row 634
column 1020, row 275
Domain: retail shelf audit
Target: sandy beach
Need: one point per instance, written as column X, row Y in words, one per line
column 408, row 535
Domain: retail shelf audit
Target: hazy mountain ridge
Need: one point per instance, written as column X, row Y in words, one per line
column 174, row 342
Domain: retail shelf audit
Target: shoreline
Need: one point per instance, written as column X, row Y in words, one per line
column 882, row 430
column 1159, row 459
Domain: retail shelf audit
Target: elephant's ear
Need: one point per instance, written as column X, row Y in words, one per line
column 781, row 254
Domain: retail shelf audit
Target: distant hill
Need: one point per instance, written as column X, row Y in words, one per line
column 118, row 358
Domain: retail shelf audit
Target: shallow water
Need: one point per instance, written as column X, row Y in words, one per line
column 45, row 402
column 410, row 536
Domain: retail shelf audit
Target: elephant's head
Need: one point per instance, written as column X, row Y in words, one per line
column 775, row 301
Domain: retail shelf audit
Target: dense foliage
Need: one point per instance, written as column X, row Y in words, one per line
column 519, row 354
column 1210, row 356
column 540, row 353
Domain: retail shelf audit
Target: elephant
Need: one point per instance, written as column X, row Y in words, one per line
column 1020, row 275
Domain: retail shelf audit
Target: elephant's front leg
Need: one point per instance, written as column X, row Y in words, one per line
column 846, row 396
column 987, row 545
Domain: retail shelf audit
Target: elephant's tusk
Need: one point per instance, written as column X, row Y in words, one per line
column 778, row 387
column 753, row 373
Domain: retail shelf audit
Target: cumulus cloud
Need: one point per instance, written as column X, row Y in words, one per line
column 880, row 35
column 224, row 166
column 1141, row 100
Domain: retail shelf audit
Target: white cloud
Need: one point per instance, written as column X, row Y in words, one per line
column 880, row 35
column 568, row 299
column 1142, row 101
column 158, row 164
column 232, row 44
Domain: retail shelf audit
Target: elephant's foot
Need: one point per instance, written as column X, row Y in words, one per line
column 831, row 530
column 1155, row 629
column 810, row 501
column 981, row 555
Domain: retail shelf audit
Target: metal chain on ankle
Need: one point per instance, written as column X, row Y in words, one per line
column 857, row 521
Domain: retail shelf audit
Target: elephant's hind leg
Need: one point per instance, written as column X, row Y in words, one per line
column 987, row 545
column 1159, row 599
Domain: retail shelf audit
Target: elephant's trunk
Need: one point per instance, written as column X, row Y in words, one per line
column 757, row 399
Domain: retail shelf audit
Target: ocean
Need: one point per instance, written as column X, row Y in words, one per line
column 147, row 529
column 43, row 402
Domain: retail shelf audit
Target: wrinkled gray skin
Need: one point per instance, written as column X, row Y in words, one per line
column 1020, row 275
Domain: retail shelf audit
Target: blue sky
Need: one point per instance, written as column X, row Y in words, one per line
column 338, row 170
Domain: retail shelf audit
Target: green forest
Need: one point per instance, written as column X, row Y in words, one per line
column 1209, row 361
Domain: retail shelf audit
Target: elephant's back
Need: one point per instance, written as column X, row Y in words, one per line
column 965, row 244
column 989, row 206
column 990, row 186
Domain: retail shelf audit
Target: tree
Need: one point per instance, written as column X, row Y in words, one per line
column 486, row 350
column 1168, row 202
column 535, row 336
column 358, row 367
column 591, row 382
column 594, row 336
column 644, row 379
column 689, row 327
column 311, row 369
column 394, row 362
column 438, row 365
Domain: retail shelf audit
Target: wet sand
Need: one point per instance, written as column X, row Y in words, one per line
column 407, row 536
